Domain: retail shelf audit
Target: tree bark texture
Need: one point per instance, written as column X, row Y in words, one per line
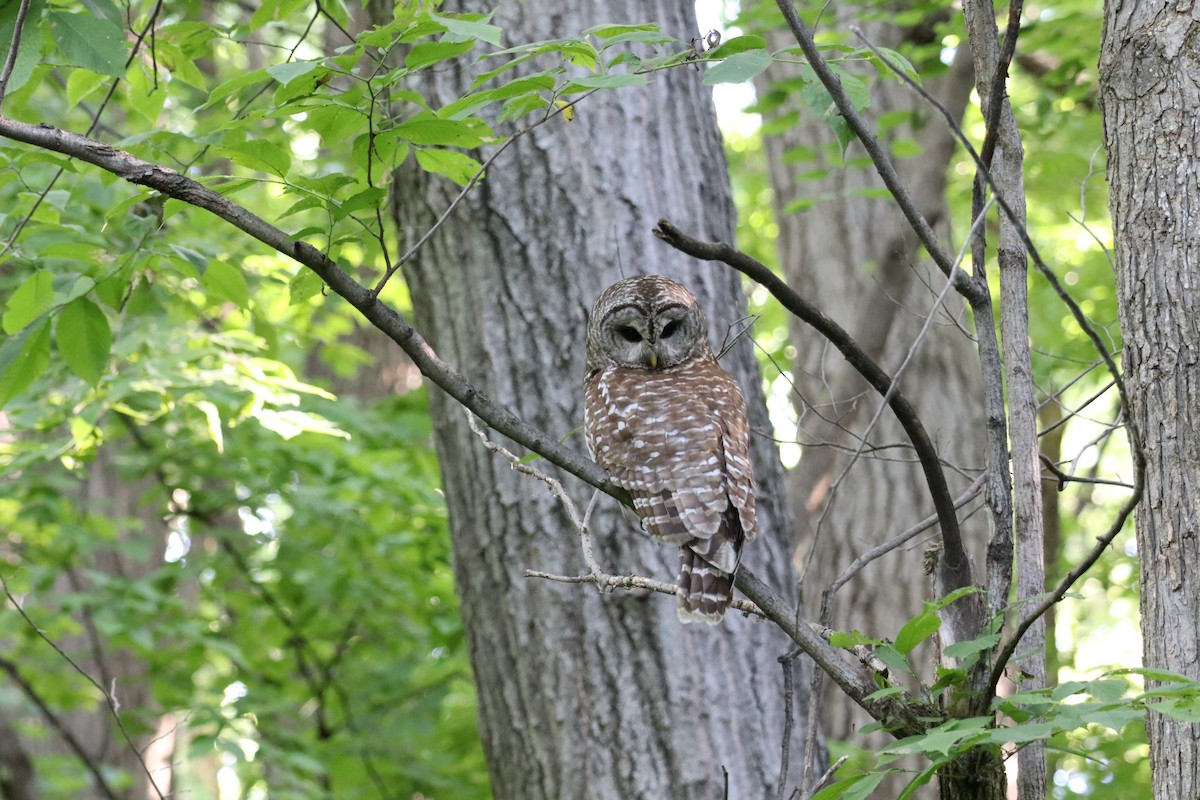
column 582, row 694
column 856, row 258
column 1150, row 102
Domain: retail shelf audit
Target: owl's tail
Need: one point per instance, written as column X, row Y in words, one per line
column 704, row 591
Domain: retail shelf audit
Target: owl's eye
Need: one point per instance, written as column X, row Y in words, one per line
column 669, row 329
column 629, row 334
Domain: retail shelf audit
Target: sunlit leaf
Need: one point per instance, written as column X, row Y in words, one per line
column 31, row 299
column 84, row 338
column 738, row 68
column 458, row 167
column 22, row 359
column 90, row 42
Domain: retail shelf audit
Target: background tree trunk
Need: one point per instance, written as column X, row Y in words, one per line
column 587, row 695
column 855, row 257
column 1150, row 102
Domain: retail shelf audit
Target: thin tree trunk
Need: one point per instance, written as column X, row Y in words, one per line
column 1150, row 103
column 1007, row 169
column 586, row 695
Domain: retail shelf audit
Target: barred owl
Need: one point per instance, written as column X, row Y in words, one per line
column 669, row 425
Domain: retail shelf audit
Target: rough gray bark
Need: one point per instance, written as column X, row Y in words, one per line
column 581, row 694
column 857, row 259
column 1150, row 103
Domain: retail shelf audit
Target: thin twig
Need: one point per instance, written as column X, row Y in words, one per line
column 10, row 62
column 1032, row 250
column 828, row 774
column 108, row 694
column 789, row 666
column 1067, row 582
column 55, row 722
column 895, row 380
column 883, row 549
column 479, row 173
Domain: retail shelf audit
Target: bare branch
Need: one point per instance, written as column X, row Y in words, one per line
column 834, row 767
column 73, row 743
column 883, row 549
column 955, row 561
column 10, row 62
column 171, row 183
column 845, row 106
column 107, row 693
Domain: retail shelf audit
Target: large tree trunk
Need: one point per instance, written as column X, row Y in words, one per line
column 585, row 695
column 1150, row 102
column 856, row 258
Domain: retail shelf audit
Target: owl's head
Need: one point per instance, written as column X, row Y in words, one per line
column 650, row 322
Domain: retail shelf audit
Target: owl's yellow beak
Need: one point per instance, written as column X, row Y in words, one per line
column 651, row 354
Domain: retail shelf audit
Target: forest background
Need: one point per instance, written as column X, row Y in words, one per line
column 224, row 539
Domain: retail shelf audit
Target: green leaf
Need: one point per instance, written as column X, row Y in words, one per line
column 426, row 53
column 586, row 82
column 305, row 285
column 84, row 339
column 222, row 281
column 22, row 359
column 81, row 83
column 608, row 31
column 521, row 105
column 1183, row 709
column 887, row 691
column 458, row 167
column 1025, row 732
column 857, row 787
column 32, row 299
column 894, row 659
column 233, row 86
column 738, row 68
column 894, row 59
column 28, row 54
column 197, row 260
column 288, row 71
column 972, row 647
column 367, row 198
column 850, row 639
column 429, row 129
column 917, row 630
column 738, row 44
column 256, row 154
column 465, row 28
column 291, row 423
column 90, row 42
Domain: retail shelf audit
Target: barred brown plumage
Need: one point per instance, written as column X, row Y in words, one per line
column 670, row 426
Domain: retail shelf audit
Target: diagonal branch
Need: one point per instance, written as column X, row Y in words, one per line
column 57, row 723
column 955, row 560
column 10, row 62
column 883, row 165
column 175, row 185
